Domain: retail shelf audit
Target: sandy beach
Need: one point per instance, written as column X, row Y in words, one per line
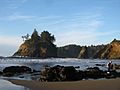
column 109, row 84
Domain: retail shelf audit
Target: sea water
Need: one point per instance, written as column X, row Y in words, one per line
column 38, row 64
column 6, row 85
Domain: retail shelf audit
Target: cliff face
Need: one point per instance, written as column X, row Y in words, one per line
column 111, row 51
column 43, row 51
column 69, row 51
column 38, row 46
column 90, row 51
column 76, row 51
column 83, row 53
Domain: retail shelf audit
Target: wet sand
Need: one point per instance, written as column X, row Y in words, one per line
column 109, row 84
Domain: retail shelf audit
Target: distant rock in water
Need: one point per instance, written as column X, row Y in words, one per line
column 110, row 51
column 38, row 46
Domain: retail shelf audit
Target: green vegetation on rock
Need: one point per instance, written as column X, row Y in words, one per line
column 38, row 46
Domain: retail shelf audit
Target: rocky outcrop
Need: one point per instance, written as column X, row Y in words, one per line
column 110, row 51
column 90, row 51
column 76, row 51
column 69, row 73
column 12, row 70
column 59, row 73
column 69, row 51
column 38, row 46
column 83, row 53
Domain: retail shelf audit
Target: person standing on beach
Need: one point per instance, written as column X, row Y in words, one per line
column 110, row 66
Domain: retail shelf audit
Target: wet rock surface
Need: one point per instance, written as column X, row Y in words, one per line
column 12, row 70
column 69, row 73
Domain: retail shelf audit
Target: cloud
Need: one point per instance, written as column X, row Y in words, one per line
column 19, row 16
column 16, row 16
column 24, row 1
column 79, row 29
column 48, row 17
column 84, row 37
column 74, row 37
column 12, row 4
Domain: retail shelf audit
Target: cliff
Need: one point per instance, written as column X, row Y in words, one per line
column 110, row 51
column 38, row 46
column 76, row 51
column 90, row 51
column 83, row 53
column 68, row 51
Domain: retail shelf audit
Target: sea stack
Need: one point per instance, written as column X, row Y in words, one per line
column 38, row 46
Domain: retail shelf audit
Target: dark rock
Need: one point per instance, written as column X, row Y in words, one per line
column 116, row 66
column 1, row 73
column 59, row 73
column 12, row 70
column 94, row 73
column 100, row 65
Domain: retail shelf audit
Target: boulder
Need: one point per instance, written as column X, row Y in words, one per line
column 93, row 73
column 12, row 70
column 59, row 73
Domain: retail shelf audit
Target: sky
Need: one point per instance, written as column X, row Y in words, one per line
column 81, row 22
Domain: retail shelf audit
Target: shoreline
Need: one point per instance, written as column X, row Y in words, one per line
column 108, row 84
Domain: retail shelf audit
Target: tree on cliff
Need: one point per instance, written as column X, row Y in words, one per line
column 38, row 46
column 46, row 37
column 35, row 36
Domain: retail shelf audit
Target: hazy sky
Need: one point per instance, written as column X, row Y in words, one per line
column 82, row 22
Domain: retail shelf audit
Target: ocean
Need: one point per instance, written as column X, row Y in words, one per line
column 6, row 85
column 38, row 64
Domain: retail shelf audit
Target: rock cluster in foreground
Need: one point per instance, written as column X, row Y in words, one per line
column 69, row 73
column 60, row 73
